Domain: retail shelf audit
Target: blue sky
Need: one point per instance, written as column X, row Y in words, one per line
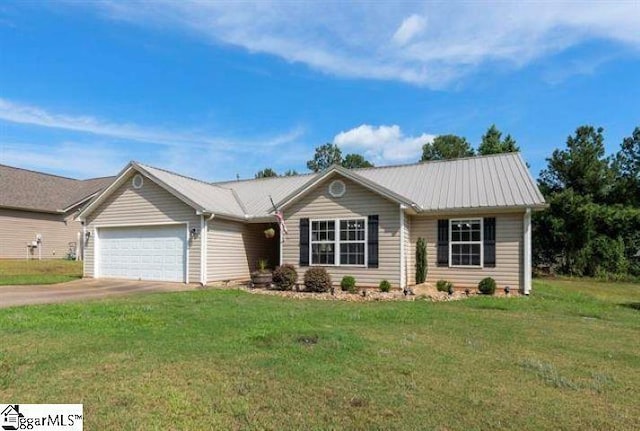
column 213, row 90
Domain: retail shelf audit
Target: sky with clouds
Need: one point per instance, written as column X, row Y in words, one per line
column 219, row 89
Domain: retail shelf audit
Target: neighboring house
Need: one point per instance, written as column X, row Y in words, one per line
column 475, row 214
column 38, row 205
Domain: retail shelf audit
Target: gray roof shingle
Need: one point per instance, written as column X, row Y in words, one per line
column 22, row 188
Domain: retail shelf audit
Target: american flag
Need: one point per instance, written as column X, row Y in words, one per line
column 281, row 225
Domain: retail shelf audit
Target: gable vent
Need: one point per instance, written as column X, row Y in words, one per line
column 137, row 181
column 337, row 188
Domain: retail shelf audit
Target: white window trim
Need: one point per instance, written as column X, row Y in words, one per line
column 337, row 242
column 481, row 242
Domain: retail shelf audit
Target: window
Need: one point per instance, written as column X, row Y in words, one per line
column 346, row 248
column 323, row 237
column 466, row 242
column 352, row 242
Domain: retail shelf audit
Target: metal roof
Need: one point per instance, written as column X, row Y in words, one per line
column 254, row 194
column 486, row 182
column 475, row 182
column 205, row 196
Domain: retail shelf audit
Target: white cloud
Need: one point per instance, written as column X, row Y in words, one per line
column 36, row 116
column 73, row 159
column 382, row 144
column 409, row 29
column 98, row 146
column 363, row 40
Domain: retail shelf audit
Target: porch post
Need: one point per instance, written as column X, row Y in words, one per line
column 527, row 252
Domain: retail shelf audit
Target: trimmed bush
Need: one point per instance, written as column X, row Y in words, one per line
column 285, row 277
column 317, row 280
column 444, row 285
column 421, row 261
column 487, row 286
column 385, row 286
column 348, row 284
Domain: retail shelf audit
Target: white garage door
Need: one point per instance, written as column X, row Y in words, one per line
column 143, row 252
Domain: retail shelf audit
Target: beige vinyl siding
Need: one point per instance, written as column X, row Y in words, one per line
column 234, row 248
column 150, row 204
column 17, row 228
column 509, row 252
column 357, row 202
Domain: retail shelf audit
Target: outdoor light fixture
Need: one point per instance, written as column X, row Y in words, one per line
column 193, row 232
column 507, row 289
column 87, row 235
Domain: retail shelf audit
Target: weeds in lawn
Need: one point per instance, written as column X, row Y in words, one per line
column 548, row 373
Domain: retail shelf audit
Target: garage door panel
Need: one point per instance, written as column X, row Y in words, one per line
column 143, row 252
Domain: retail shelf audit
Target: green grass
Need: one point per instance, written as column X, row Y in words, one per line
column 568, row 357
column 15, row 272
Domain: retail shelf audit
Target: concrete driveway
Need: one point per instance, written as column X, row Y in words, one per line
column 80, row 290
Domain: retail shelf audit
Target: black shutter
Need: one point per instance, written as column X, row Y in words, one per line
column 443, row 242
column 304, row 242
column 372, row 241
column 489, row 242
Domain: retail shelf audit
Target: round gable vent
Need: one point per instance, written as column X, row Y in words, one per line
column 337, row 188
column 137, row 181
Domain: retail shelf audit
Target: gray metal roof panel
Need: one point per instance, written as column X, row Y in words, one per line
column 207, row 196
column 494, row 181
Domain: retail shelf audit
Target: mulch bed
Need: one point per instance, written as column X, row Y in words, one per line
column 423, row 292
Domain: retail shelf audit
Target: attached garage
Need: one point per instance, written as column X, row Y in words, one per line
column 156, row 253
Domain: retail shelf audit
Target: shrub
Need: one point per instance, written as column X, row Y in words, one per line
column 444, row 285
column 487, row 286
column 385, row 286
column 285, row 277
column 421, row 261
column 348, row 284
column 317, row 280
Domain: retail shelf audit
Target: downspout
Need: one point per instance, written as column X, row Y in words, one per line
column 403, row 281
column 527, row 251
column 281, row 238
column 84, row 249
column 204, row 247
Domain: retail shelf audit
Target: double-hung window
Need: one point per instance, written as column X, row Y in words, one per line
column 323, row 242
column 465, row 242
column 338, row 242
column 352, row 242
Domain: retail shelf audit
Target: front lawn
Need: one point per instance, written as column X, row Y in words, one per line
column 566, row 358
column 14, row 272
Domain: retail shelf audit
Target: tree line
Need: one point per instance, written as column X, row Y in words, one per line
column 592, row 224
column 443, row 147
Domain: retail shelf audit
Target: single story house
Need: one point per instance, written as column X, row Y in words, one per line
column 474, row 213
column 38, row 212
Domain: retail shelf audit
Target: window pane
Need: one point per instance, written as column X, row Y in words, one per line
column 465, row 254
column 322, row 254
column 352, row 254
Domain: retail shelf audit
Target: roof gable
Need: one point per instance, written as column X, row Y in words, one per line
column 336, row 170
column 201, row 196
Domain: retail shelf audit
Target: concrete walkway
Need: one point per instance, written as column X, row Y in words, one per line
column 80, row 290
